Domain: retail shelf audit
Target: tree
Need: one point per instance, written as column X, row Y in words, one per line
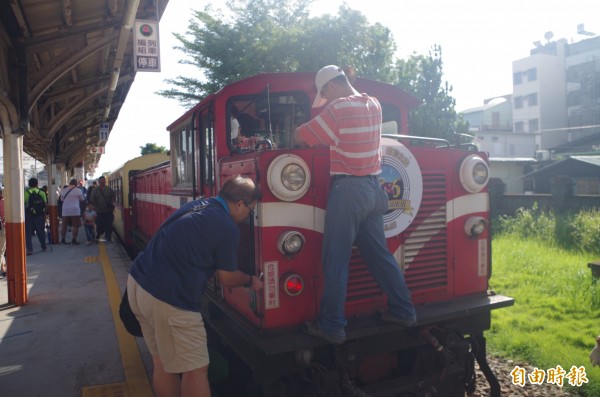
column 152, row 148
column 279, row 36
column 275, row 36
column 421, row 76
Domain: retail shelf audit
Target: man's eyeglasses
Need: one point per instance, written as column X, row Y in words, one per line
column 251, row 210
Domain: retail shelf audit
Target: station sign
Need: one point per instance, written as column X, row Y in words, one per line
column 104, row 127
column 97, row 150
column 146, row 46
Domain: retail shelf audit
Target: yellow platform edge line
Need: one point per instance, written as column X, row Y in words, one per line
column 110, row 390
column 137, row 381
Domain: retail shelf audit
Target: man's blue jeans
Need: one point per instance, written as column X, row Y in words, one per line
column 354, row 215
column 37, row 223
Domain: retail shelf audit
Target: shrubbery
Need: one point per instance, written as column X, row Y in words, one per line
column 580, row 231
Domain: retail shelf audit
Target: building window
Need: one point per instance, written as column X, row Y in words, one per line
column 531, row 74
column 518, row 102
column 519, row 126
column 587, row 185
column 517, row 78
column 533, row 125
column 532, row 99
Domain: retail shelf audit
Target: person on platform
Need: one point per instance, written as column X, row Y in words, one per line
column 71, row 212
column 35, row 215
column 350, row 125
column 103, row 198
column 167, row 281
column 89, row 223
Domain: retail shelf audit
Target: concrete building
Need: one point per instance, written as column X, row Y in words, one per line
column 583, row 89
column 539, row 94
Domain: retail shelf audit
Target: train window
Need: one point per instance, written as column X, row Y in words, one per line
column 182, row 152
column 391, row 119
column 208, row 149
column 272, row 116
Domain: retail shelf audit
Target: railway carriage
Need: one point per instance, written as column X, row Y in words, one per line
column 437, row 228
column 118, row 180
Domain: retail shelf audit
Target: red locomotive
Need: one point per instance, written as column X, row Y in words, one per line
column 437, row 228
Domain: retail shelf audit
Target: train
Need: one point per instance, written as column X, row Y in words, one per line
column 437, row 228
column 118, row 180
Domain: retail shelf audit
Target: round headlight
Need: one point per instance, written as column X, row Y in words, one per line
column 288, row 177
column 474, row 173
column 475, row 225
column 293, row 177
column 290, row 242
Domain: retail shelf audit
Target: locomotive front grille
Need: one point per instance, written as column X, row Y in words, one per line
column 425, row 247
column 425, row 250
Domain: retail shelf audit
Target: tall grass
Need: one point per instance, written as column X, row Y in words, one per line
column 540, row 259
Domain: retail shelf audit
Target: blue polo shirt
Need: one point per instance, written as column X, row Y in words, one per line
column 183, row 255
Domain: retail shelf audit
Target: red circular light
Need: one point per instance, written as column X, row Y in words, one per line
column 293, row 285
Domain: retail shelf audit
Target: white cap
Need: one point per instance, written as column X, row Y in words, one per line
column 324, row 76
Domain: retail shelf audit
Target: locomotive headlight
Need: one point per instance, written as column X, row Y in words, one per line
column 290, row 242
column 288, row 177
column 293, row 284
column 474, row 173
column 475, row 225
column 293, row 177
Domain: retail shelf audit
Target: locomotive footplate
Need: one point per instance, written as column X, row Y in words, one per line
column 280, row 351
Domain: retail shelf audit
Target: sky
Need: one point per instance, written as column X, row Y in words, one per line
column 479, row 38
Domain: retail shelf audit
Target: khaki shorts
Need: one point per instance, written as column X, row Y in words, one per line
column 177, row 336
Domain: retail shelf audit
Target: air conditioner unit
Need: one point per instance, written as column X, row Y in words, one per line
column 542, row 155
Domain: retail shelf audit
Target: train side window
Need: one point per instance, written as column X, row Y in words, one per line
column 181, row 147
column 207, row 152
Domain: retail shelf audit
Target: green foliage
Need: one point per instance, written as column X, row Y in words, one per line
column 554, row 320
column 586, row 230
column 528, row 223
column 578, row 232
column 279, row 36
column 152, row 148
column 421, row 76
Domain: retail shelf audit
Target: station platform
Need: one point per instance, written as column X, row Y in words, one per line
column 68, row 340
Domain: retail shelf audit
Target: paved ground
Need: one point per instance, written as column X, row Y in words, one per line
column 65, row 341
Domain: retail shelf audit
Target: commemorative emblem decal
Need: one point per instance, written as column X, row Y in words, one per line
column 402, row 181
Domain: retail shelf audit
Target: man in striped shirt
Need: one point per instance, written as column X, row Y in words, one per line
column 350, row 125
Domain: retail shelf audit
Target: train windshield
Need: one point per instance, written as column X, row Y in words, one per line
column 266, row 116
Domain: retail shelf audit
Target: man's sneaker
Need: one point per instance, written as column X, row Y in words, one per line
column 29, row 253
column 63, row 241
column 390, row 318
column 74, row 242
column 2, row 275
column 313, row 330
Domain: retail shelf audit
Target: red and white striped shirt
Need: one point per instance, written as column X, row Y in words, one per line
column 351, row 127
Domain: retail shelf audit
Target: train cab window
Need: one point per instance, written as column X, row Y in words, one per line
column 391, row 119
column 182, row 157
column 273, row 117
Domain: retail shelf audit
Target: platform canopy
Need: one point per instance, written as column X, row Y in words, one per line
column 68, row 69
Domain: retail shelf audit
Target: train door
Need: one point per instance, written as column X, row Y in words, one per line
column 205, row 158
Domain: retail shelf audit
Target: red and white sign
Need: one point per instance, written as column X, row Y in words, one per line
column 97, row 150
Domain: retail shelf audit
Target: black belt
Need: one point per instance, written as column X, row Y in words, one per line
column 342, row 176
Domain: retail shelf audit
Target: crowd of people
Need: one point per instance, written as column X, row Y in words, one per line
column 77, row 205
